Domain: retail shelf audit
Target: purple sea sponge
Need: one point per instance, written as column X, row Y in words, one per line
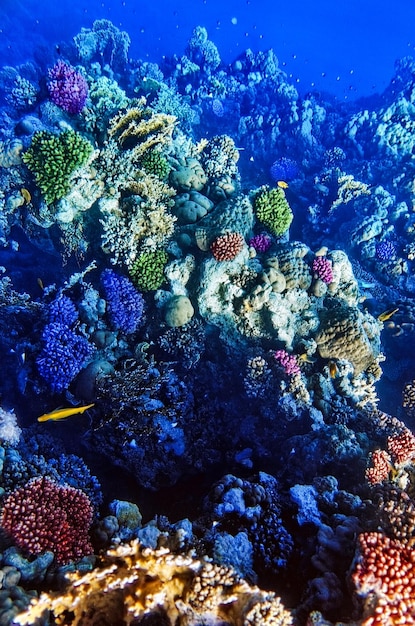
column 63, row 355
column 323, row 269
column 125, row 303
column 67, row 87
column 62, row 311
column 284, row 169
column 261, row 242
column 288, row 362
column 385, row 251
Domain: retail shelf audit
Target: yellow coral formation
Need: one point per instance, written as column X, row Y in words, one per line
column 140, row 129
column 132, row 581
column 349, row 189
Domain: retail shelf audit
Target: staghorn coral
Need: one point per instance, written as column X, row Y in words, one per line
column 133, row 581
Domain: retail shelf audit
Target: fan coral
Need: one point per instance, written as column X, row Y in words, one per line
column 323, row 269
column 62, row 357
column 288, row 362
column 43, row 515
column 53, row 158
column 147, row 271
column 226, row 247
column 283, row 169
column 67, row 87
column 273, row 210
column 125, row 304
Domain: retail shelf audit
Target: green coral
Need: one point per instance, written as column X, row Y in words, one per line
column 53, row 158
column 273, row 210
column 147, row 272
column 154, row 162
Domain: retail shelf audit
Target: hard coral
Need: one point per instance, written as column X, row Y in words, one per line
column 133, row 582
column 147, row 271
column 67, row 87
column 53, row 158
column 43, row 515
column 323, row 269
column 273, row 210
column 125, row 304
column 384, row 577
column 226, row 247
column 62, row 356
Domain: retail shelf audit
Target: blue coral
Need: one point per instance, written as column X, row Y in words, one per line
column 284, row 169
column 125, row 303
column 62, row 356
column 62, row 311
column 385, row 251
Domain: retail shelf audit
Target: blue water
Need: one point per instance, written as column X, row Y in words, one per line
column 207, row 317
column 346, row 48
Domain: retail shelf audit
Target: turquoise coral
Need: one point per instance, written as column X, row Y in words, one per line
column 53, row 158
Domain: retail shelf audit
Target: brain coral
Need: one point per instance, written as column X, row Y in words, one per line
column 53, row 158
column 273, row 210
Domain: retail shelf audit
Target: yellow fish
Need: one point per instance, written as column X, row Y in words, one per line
column 26, row 195
column 61, row 414
column 282, row 184
column 333, row 369
column 386, row 315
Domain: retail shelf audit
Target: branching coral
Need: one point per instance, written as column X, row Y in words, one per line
column 132, row 582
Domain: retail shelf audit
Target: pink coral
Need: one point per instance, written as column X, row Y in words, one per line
column 402, row 446
column 323, row 269
column 43, row 515
column 67, row 87
column 226, row 247
column 380, row 467
column 288, row 362
column 384, row 576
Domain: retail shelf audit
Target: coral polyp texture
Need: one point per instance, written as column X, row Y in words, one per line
column 125, row 303
column 273, row 211
column 67, row 87
column 52, row 160
column 226, row 247
column 44, row 516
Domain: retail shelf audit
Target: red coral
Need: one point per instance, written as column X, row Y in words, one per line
column 226, row 247
column 402, row 446
column 384, row 575
column 43, row 515
column 381, row 466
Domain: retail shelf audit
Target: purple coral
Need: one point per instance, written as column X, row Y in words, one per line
column 261, row 242
column 125, row 303
column 288, row 362
column 284, row 169
column 67, row 87
column 323, row 269
column 385, row 251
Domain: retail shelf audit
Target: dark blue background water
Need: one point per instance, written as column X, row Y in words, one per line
column 347, row 47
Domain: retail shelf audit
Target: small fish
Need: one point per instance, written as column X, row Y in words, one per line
column 40, row 283
column 386, row 315
column 305, row 358
column 61, row 414
column 282, row 184
column 333, row 369
column 27, row 197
